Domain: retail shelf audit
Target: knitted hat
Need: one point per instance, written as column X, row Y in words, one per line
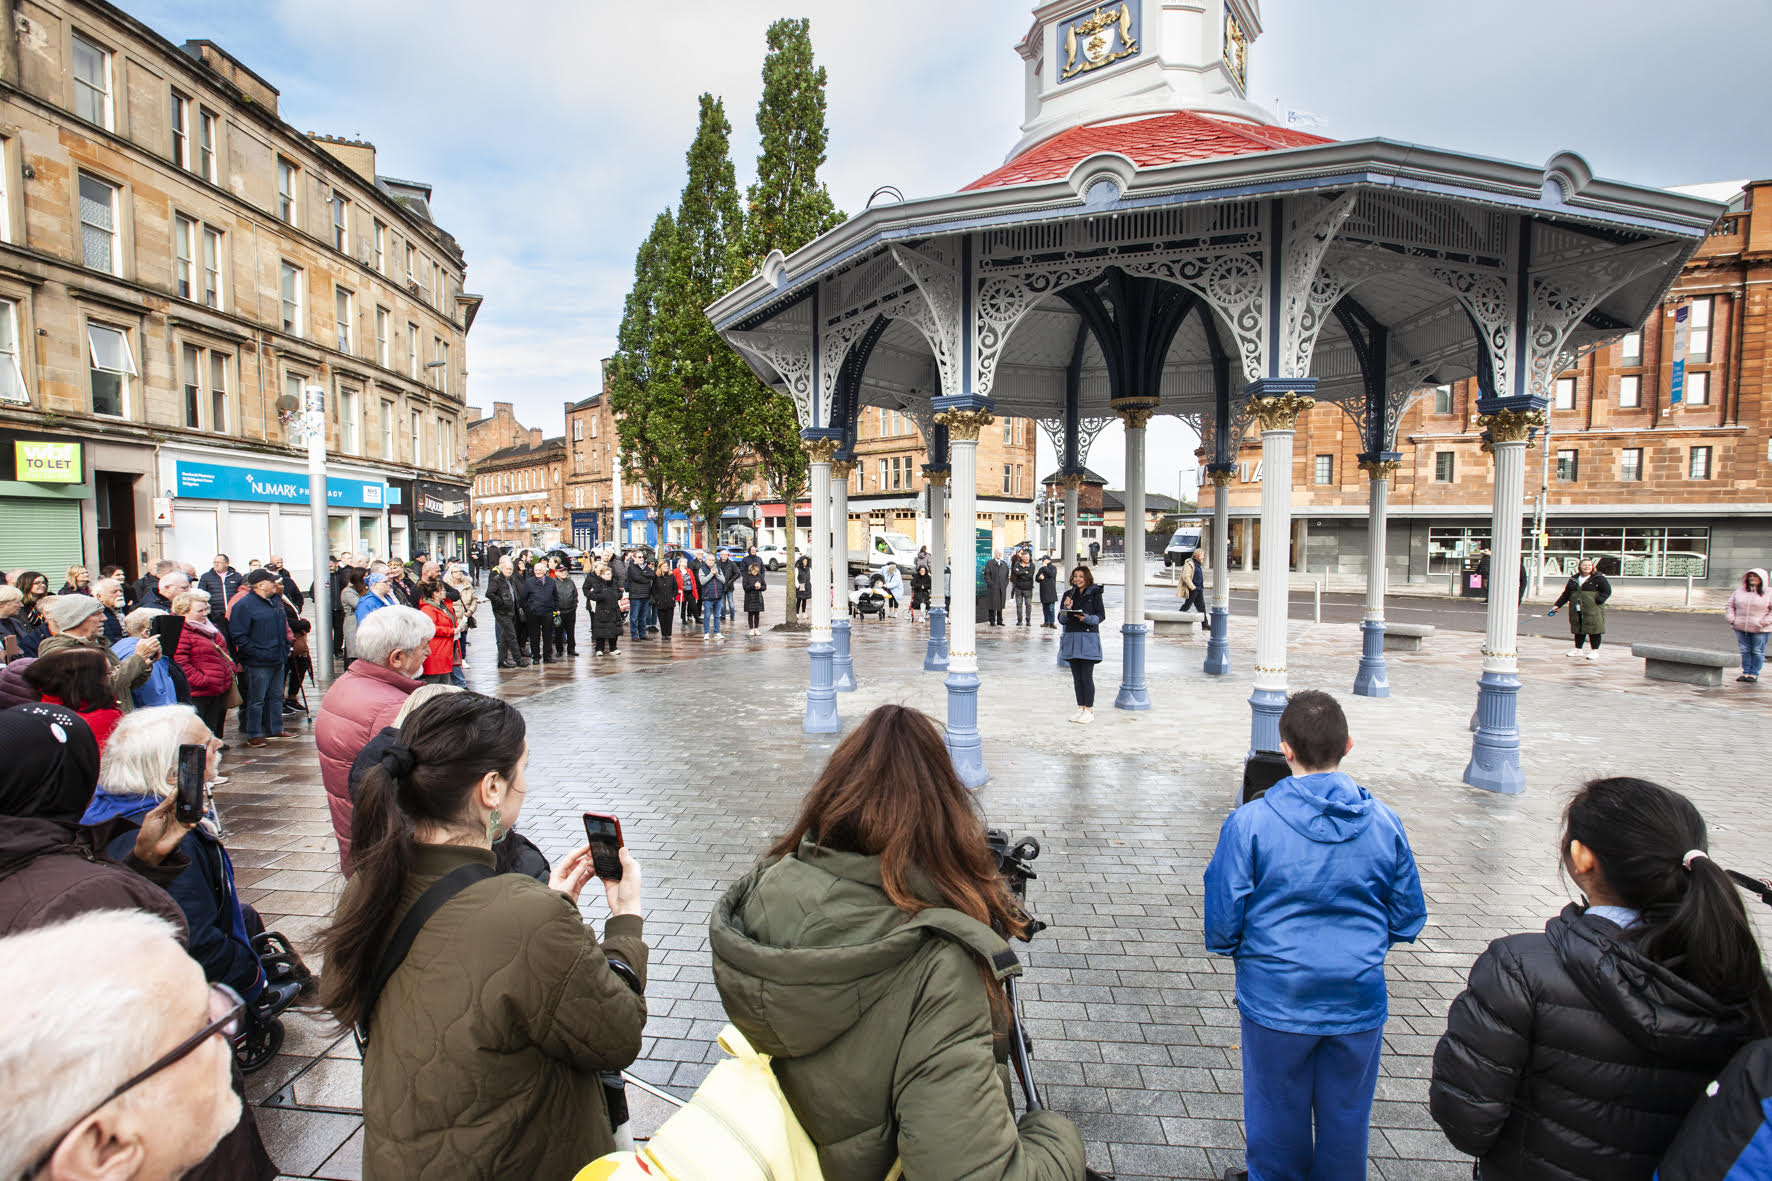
column 73, row 610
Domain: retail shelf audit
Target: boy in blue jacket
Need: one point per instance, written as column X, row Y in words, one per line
column 1308, row 888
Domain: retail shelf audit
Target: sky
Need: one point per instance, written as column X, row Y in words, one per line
column 554, row 130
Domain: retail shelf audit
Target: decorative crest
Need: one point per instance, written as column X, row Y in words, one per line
column 1097, row 39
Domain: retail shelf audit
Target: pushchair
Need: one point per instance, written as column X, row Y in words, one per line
column 869, row 603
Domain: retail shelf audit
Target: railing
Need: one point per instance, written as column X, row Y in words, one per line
column 1730, row 225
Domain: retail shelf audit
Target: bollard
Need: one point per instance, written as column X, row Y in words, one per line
column 1688, row 589
column 1317, row 603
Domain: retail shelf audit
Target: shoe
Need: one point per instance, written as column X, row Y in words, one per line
column 1592, row 655
column 1236, row 1175
column 256, row 742
column 1744, row 677
column 522, row 662
column 615, row 652
column 1753, row 680
column 506, row 664
column 1573, row 653
column 218, row 781
column 721, row 636
column 465, row 666
column 227, row 746
column 1087, row 716
column 1076, row 715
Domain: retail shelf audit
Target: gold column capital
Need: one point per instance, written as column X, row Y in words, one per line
column 1510, row 426
column 842, row 469
column 1136, row 416
column 1279, row 412
column 821, row 450
column 1222, row 479
column 965, row 424
column 936, row 479
column 1379, row 469
column 1072, row 481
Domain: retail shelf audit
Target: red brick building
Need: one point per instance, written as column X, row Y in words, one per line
column 1653, row 486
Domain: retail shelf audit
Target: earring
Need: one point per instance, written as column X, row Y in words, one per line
column 495, row 828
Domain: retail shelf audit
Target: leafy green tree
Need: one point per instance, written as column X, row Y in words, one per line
column 787, row 207
column 645, row 407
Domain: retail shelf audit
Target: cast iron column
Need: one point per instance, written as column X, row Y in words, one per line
column 1133, row 694
column 935, row 658
column 843, row 663
column 1218, row 643
column 964, row 742
column 1372, row 680
column 821, row 696
column 1276, row 404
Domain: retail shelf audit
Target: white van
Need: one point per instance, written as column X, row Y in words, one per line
column 1183, row 542
column 885, row 548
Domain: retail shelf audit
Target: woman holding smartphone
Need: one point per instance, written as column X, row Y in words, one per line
column 485, row 1044
column 1081, row 612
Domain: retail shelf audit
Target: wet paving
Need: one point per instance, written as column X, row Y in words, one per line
column 697, row 746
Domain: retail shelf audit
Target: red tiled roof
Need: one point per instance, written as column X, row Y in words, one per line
column 1176, row 138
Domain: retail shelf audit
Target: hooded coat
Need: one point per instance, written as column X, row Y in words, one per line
column 755, row 584
column 358, row 705
column 1307, row 890
column 440, row 654
column 1587, row 599
column 158, row 689
column 996, row 584
column 1747, row 611
column 1727, row 1135
column 605, row 597
column 1572, row 1056
column 880, row 1025
column 1081, row 638
column 1047, row 578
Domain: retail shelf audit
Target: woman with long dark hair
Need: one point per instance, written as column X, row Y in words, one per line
column 35, row 586
column 1576, row 1051
column 1081, row 611
column 866, row 955
column 79, row 679
column 486, row 1042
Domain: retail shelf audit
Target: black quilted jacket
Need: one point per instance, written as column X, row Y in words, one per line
column 1572, row 1057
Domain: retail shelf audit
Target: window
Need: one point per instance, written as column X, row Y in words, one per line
column 1630, row 391
column 92, row 82
column 907, row 466
column 184, row 241
column 418, row 435
column 206, row 146
column 1443, row 467
column 218, row 392
column 898, row 473
column 1008, row 434
column 443, row 369
column 1630, row 349
column 181, row 130
column 98, row 225
column 882, row 475
column 1645, row 551
column 411, row 262
column 1006, row 475
column 345, row 312
column 1698, row 468
column 5, row 205
column 1325, row 471
column 1442, row 399
column 341, row 222
column 381, row 337
column 593, row 428
column 193, row 381
column 381, row 247
column 286, row 185
column 292, row 385
column 212, row 253
column 112, row 367
column 1630, row 464
column 1565, row 398
column 12, row 377
column 1698, row 388
column 412, row 349
column 1567, row 461
column 1698, row 330
column 348, row 441
column 292, row 299
column 578, row 430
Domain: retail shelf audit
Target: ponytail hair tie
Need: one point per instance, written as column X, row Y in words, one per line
column 1691, row 856
column 399, row 761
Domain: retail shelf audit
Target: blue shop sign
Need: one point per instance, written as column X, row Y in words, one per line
column 214, row 481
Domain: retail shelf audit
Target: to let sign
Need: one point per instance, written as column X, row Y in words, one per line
column 48, row 463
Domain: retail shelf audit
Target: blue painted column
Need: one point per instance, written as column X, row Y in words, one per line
column 1495, row 747
column 821, row 694
column 1134, row 694
column 843, row 664
column 964, row 420
column 1372, row 679
column 1276, row 403
column 935, row 657
column 1218, row 640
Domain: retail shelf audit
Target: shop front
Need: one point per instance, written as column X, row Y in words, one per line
column 440, row 519
column 640, row 526
column 254, row 511
column 587, row 526
column 43, row 484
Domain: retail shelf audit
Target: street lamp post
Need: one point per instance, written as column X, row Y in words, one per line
column 322, row 548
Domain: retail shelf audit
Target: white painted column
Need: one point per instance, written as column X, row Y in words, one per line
column 1495, row 747
column 1134, row 694
column 1278, row 414
column 821, row 696
column 965, row 745
column 1373, row 680
column 1218, row 648
column 1068, row 559
column 843, row 659
column 935, row 654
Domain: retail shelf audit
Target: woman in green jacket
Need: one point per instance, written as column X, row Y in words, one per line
column 485, row 1046
column 1586, row 594
column 861, row 955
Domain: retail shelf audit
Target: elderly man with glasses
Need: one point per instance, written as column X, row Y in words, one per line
column 119, row 1070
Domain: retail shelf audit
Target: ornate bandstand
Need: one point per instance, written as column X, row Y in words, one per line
column 1154, row 244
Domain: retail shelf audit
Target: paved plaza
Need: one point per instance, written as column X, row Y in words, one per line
column 698, row 748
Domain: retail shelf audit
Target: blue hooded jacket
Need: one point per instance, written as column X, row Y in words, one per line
column 1308, row 888
column 158, row 689
column 204, row 891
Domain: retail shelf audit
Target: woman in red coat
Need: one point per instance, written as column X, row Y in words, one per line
column 204, row 658
column 688, row 595
column 441, row 657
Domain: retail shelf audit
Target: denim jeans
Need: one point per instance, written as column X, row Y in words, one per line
column 726, row 607
column 639, row 617
column 262, row 712
column 1050, row 611
column 1753, row 651
column 710, row 617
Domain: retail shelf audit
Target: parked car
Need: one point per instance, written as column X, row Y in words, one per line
column 1182, row 543
column 774, row 557
column 574, row 558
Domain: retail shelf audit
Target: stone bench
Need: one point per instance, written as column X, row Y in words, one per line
column 1688, row 666
column 1406, row 637
column 1174, row 623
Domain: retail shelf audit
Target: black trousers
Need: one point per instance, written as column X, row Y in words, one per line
column 666, row 619
column 753, row 619
column 691, row 612
column 1195, row 601
column 1592, row 639
column 566, row 635
column 541, row 636
column 504, row 630
column 1083, row 679
column 212, row 712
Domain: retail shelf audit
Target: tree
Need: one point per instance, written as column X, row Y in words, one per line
column 715, row 401
column 644, row 408
column 787, row 207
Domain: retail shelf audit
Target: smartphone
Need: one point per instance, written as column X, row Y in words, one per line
column 604, row 833
column 167, row 629
column 193, row 764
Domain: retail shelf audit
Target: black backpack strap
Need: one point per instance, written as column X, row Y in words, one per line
column 428, row 904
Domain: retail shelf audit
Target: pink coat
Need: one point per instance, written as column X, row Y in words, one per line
column 354, row 710
column 1748, row 612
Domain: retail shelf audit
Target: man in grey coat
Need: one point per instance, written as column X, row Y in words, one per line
column 996, row 589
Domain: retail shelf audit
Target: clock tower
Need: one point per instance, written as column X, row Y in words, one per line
column 1090, row 62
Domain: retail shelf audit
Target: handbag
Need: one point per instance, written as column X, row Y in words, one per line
column 235, row 698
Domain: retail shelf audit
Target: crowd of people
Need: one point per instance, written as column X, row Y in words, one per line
column 1630, row 1038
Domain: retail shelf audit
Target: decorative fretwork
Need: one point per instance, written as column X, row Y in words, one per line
column 937, row 315
column 790, row 355
column 1562, row 298
column 1308, row 290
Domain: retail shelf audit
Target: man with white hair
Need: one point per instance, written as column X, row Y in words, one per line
column 391, row 648
column 173, row 583
column 109, row 593
column 114, row 1052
